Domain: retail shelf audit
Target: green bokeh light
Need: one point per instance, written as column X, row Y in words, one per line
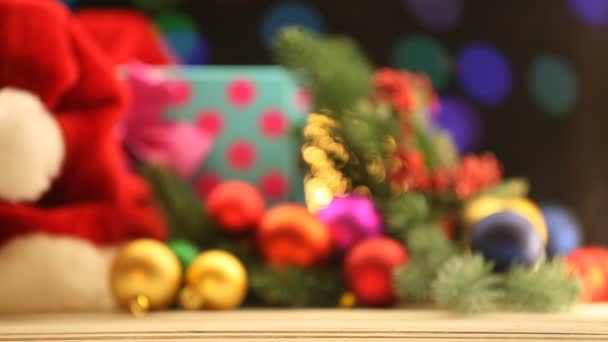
column 554, row 85
column 423, row 54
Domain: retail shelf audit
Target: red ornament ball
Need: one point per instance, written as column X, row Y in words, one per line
column 290, row 235
column 590, row 265
column 368, row 270
column 236, row 206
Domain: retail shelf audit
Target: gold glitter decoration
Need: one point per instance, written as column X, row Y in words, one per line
column 320, row 152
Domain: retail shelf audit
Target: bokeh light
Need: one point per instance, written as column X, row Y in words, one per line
column 436, row 14
column 423, row 54
column 593, row 12
column 461, row 121
column 563, row 227
column 484, row 73
column 553, row 85
column 287, row 14
column 181, row 34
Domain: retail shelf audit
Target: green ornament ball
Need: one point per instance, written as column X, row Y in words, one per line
column 185, row 251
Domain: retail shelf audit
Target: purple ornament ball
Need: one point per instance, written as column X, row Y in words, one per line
column 351, row 219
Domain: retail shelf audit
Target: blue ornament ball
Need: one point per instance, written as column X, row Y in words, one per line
column 564, row 230
column 506, row 238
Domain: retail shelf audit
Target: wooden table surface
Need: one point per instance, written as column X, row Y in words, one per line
column 583, row 323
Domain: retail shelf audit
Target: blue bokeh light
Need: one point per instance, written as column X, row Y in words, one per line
column 484, row 73
column 287, row 14
column 461, row 121
column 190, row 46
column 564, row 229
column 593, row 12
column 436, row 14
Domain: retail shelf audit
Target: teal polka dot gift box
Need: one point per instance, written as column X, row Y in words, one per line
column 254, row 114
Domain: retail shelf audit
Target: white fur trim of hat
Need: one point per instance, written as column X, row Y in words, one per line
column 43, row 273
column 31, row 146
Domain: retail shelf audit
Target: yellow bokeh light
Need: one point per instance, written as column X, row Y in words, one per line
column 320, row 151
column 318, row 194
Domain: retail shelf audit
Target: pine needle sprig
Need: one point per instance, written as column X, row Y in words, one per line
column 339, row 77
column 465, row 283
column 334, row 69
column 403, row 212
column 429, row 250
column 186, row 217
column 546, row 288
column 181, row 207
column 428, row 240
column 296, row 287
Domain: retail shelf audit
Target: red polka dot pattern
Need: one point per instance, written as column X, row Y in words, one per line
column 303, row 100
column 181, row 93
column 249, row 114
column 273, row 124
column 274, row 185
column 206, row 183
column 241, row 155
column 211, row 121
column 241, row 93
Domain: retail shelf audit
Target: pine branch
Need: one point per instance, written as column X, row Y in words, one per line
column 444, row 153
column 181, row 207
column 340, row 79
column 412, row 281
column 364, row 132
column 186, row 217
column 333, row 68
column 296, row 287
column 405, row 211
column 423, row 143
column 547, row 288
column 429, row 250
column 466, row 283
column 428, row 240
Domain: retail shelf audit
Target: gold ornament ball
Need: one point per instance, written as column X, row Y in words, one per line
column 219, row 278
column 190, row 299
column 145, row 274
column 484, row 206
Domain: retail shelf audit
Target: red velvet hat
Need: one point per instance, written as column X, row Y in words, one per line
column 45, row 52
column 126, row 35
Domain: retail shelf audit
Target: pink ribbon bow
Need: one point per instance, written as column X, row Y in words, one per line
column 150, row 137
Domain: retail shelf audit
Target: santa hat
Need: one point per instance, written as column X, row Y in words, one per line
column 94, row 197
column 135, row 37
column 62, row 176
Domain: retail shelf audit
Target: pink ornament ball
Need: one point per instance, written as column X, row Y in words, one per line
column 351, row 219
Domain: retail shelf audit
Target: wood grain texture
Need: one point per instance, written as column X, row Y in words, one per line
column 584, row 323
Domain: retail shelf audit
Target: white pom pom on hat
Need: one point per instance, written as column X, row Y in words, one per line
column 31, row 146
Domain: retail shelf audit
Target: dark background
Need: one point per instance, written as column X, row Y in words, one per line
column 564, row 157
